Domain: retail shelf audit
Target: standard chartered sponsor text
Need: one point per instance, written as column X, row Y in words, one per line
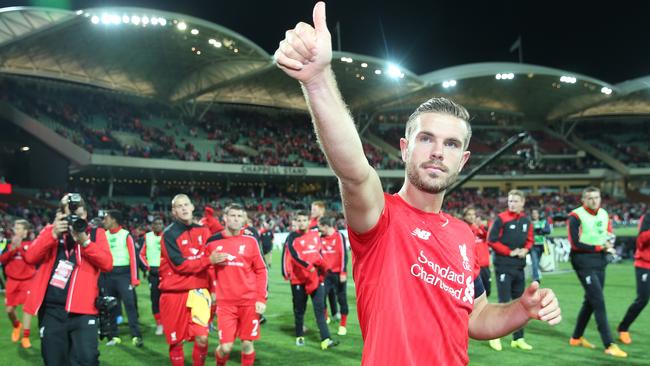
column 434, row 274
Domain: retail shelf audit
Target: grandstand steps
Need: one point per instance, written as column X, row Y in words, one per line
column 380, row 144
column 45, row 134
column 616, row 164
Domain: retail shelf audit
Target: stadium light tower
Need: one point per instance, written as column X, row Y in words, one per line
column 393, row 71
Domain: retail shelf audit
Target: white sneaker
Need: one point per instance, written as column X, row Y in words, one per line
column 159, row 329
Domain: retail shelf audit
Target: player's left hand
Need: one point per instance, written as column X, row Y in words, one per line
column 523, row 252
column 260, row 307
column 218, row 257
column 541, row 304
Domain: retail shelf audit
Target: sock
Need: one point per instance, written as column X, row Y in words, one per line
column 198, row 354
column 248, row 359
column 15, row 323
column 221, row 360
column 176, row 355
column 344, row 320
column 157, row 317
column 26, row 333
column 325, row 313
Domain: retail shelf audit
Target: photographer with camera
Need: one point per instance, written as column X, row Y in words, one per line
column 64, row 289
column 123, row 279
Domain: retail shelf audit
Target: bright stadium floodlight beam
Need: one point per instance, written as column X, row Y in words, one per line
column 377, row 72
column 212, row 41
column 94, row 19
column 393, row 71
column 498, row 76
column 194, row 31
column 145, row 20
column 217, row 44
column 135, row 19
column 154, row 21
column 364, row 65
column 106, row 19
column 79, row 12
column 181, row 26
column 126, row 19
column 162, row 21
column 116, row 19
column 605, row 90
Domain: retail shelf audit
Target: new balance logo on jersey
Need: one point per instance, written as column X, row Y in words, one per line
column 422, row 234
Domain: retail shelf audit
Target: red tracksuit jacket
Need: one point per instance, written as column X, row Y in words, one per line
column 83, row 290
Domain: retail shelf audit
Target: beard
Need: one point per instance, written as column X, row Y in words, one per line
column 435, row 185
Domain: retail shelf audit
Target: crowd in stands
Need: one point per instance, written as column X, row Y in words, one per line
column 626, row 142
column 275, row 209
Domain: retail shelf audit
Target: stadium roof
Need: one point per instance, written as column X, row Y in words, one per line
column 174, row 57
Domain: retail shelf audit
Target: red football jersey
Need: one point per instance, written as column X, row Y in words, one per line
column 334, row 252
column 242, row 279
column 14, row 262
column 415, row 287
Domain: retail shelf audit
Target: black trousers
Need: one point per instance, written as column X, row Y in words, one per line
column 593, row 282
column 300, row 305
column 642, row 296
column 487, row 281
column 67, row 339
column 510, row 286
column 118, row 284
column 154, row 292
column 336, row 293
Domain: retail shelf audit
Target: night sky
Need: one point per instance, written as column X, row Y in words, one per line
column 608, row 41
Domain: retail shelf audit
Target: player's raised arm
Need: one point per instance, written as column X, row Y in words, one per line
column 305, row 55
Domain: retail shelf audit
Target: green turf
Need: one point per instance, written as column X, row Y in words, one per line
column 619, row 231
column 277, row 344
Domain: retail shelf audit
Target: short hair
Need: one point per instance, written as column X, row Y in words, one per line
column 233, row 206
column 516, row 192
column 590, row 189
column 24, row 223
column 116, row 215
column 179, row 196
column 320, row 204
column 327, row 221
column 300, row 213
column 157, row 218
column 442, row 106
column 468, row 209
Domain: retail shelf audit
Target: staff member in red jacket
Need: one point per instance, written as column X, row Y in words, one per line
column 64, row 290
column 303, row 266
column 184, row 282
column 511, row 237
column 241, row 286
column 19, row 277
column 642, row 268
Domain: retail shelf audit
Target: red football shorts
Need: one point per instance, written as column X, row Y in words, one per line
column 16, row 291
column 176, row 318
column 238, row 321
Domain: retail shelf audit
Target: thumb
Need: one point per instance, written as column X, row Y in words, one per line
column 320, row 22
column 532, row 289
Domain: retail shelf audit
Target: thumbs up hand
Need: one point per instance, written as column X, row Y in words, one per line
column 306, row 50
column 541, row 304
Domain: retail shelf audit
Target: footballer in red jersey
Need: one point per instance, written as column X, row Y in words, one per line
column 185, row 282
column 317, row 211
column 335, row 254
column 19, row 278
column 412, row 264
column 241, row 286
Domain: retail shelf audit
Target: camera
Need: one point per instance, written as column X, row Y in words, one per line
column 105, row 305
column 74, row 202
